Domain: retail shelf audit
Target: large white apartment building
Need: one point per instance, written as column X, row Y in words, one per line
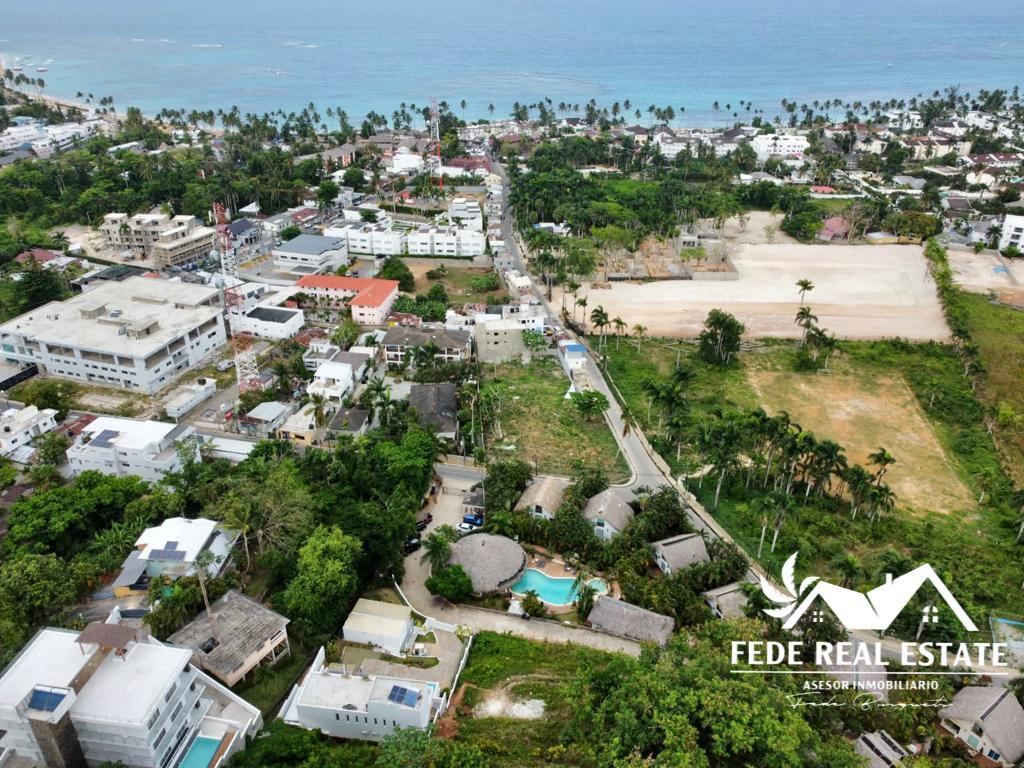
column 122, row 447
column 365, row 707
column 1013, row 233
column 171, row 242
column 47, row 139
column 377, row 239
column 768, row 145
column 105, row 695
column 310, row 254
column 138, row 334
column 446, row 241
column 466, row 214
column 19, row 428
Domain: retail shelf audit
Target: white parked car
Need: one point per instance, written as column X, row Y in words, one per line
column 464, row 528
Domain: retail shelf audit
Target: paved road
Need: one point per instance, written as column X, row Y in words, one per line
column 647, row 470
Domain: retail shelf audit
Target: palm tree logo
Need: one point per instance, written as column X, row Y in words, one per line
column 789, row 599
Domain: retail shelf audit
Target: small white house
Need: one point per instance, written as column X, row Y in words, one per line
column 609, row 513
column 332, row 380
column 678, row 552
column 384, row 626
column 18, row 428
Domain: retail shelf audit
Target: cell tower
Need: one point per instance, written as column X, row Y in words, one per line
column 435, row 136
column 246, row 368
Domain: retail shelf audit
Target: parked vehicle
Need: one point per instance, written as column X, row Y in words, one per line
column 464, row 528
column 224, row 365
column 412, row 544
column 475, row 520
column 422, row 524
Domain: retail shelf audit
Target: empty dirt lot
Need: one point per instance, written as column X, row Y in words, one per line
column 863, row 414
column 861, row 292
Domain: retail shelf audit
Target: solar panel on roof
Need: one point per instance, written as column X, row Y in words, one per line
column 171, row 545
column 402, row 695
column 102, row 440
column 167, row 554
column 45, row 701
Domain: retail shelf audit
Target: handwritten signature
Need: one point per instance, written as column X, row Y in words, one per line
column 865, row 700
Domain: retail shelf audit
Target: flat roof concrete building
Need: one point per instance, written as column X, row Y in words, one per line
column 138, row 334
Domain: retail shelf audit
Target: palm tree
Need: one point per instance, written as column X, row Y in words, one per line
column 639, row 331
column 321, row 409
column 849, row 567
column 437, row 547
column 881, row 459
column 582, row 303
column 805, row 319
column 600, row 320
column 804, row 285
column 620, row 327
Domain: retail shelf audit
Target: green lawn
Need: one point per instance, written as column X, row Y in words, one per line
column 999, row 333
column 538, row 425
column 971, row 544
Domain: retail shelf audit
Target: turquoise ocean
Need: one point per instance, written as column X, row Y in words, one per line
column 264, row 55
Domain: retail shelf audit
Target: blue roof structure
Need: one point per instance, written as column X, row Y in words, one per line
column 45, row 701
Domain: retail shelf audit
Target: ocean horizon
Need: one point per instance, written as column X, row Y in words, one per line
column 262, row 57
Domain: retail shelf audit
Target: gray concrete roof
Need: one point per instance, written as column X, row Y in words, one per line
column 243, row 626
column 492, row 562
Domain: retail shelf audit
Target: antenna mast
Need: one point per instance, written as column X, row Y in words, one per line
column 246, row 367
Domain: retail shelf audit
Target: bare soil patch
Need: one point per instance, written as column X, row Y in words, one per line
column 861, row 292
column 863, row 414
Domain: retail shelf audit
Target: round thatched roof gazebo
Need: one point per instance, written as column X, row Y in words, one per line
column 492, row 562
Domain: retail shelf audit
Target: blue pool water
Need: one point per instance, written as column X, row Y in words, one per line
column 201, row 752
column 553, row 591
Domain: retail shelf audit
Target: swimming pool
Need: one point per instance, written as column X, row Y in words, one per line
column 200, row 753
column 552, row 590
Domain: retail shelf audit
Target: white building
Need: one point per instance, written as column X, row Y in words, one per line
column 446, row 242
column 172, row 548
column 517, row 283
column 466, row 214
column 267, row 322
column 404, row 161
column 122, row 447
column 18, row 428
column 332, row 380
column 103, row 695
column 186, row 397
column 769, row 145
column 386, row 627
column 310, row 254
column 376, row 239
column 364, row 707
column 1013, row 233
column 137, row 334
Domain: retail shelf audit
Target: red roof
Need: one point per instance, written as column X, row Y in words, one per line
column 369, row 291
column 41, row 255
column 303, row 214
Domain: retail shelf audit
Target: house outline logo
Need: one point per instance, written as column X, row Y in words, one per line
column 873, row 610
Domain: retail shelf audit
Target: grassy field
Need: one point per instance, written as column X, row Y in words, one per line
column 505, row 669
column 999, row 333
column 458, row 283
column 862, row 412
column 538, row 425
column 912, row 399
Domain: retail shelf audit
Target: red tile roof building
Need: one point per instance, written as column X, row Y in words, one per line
column 369, row 299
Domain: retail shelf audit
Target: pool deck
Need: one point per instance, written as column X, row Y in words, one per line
column 557, row 568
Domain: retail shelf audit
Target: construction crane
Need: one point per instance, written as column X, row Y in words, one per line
column 246, row 368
